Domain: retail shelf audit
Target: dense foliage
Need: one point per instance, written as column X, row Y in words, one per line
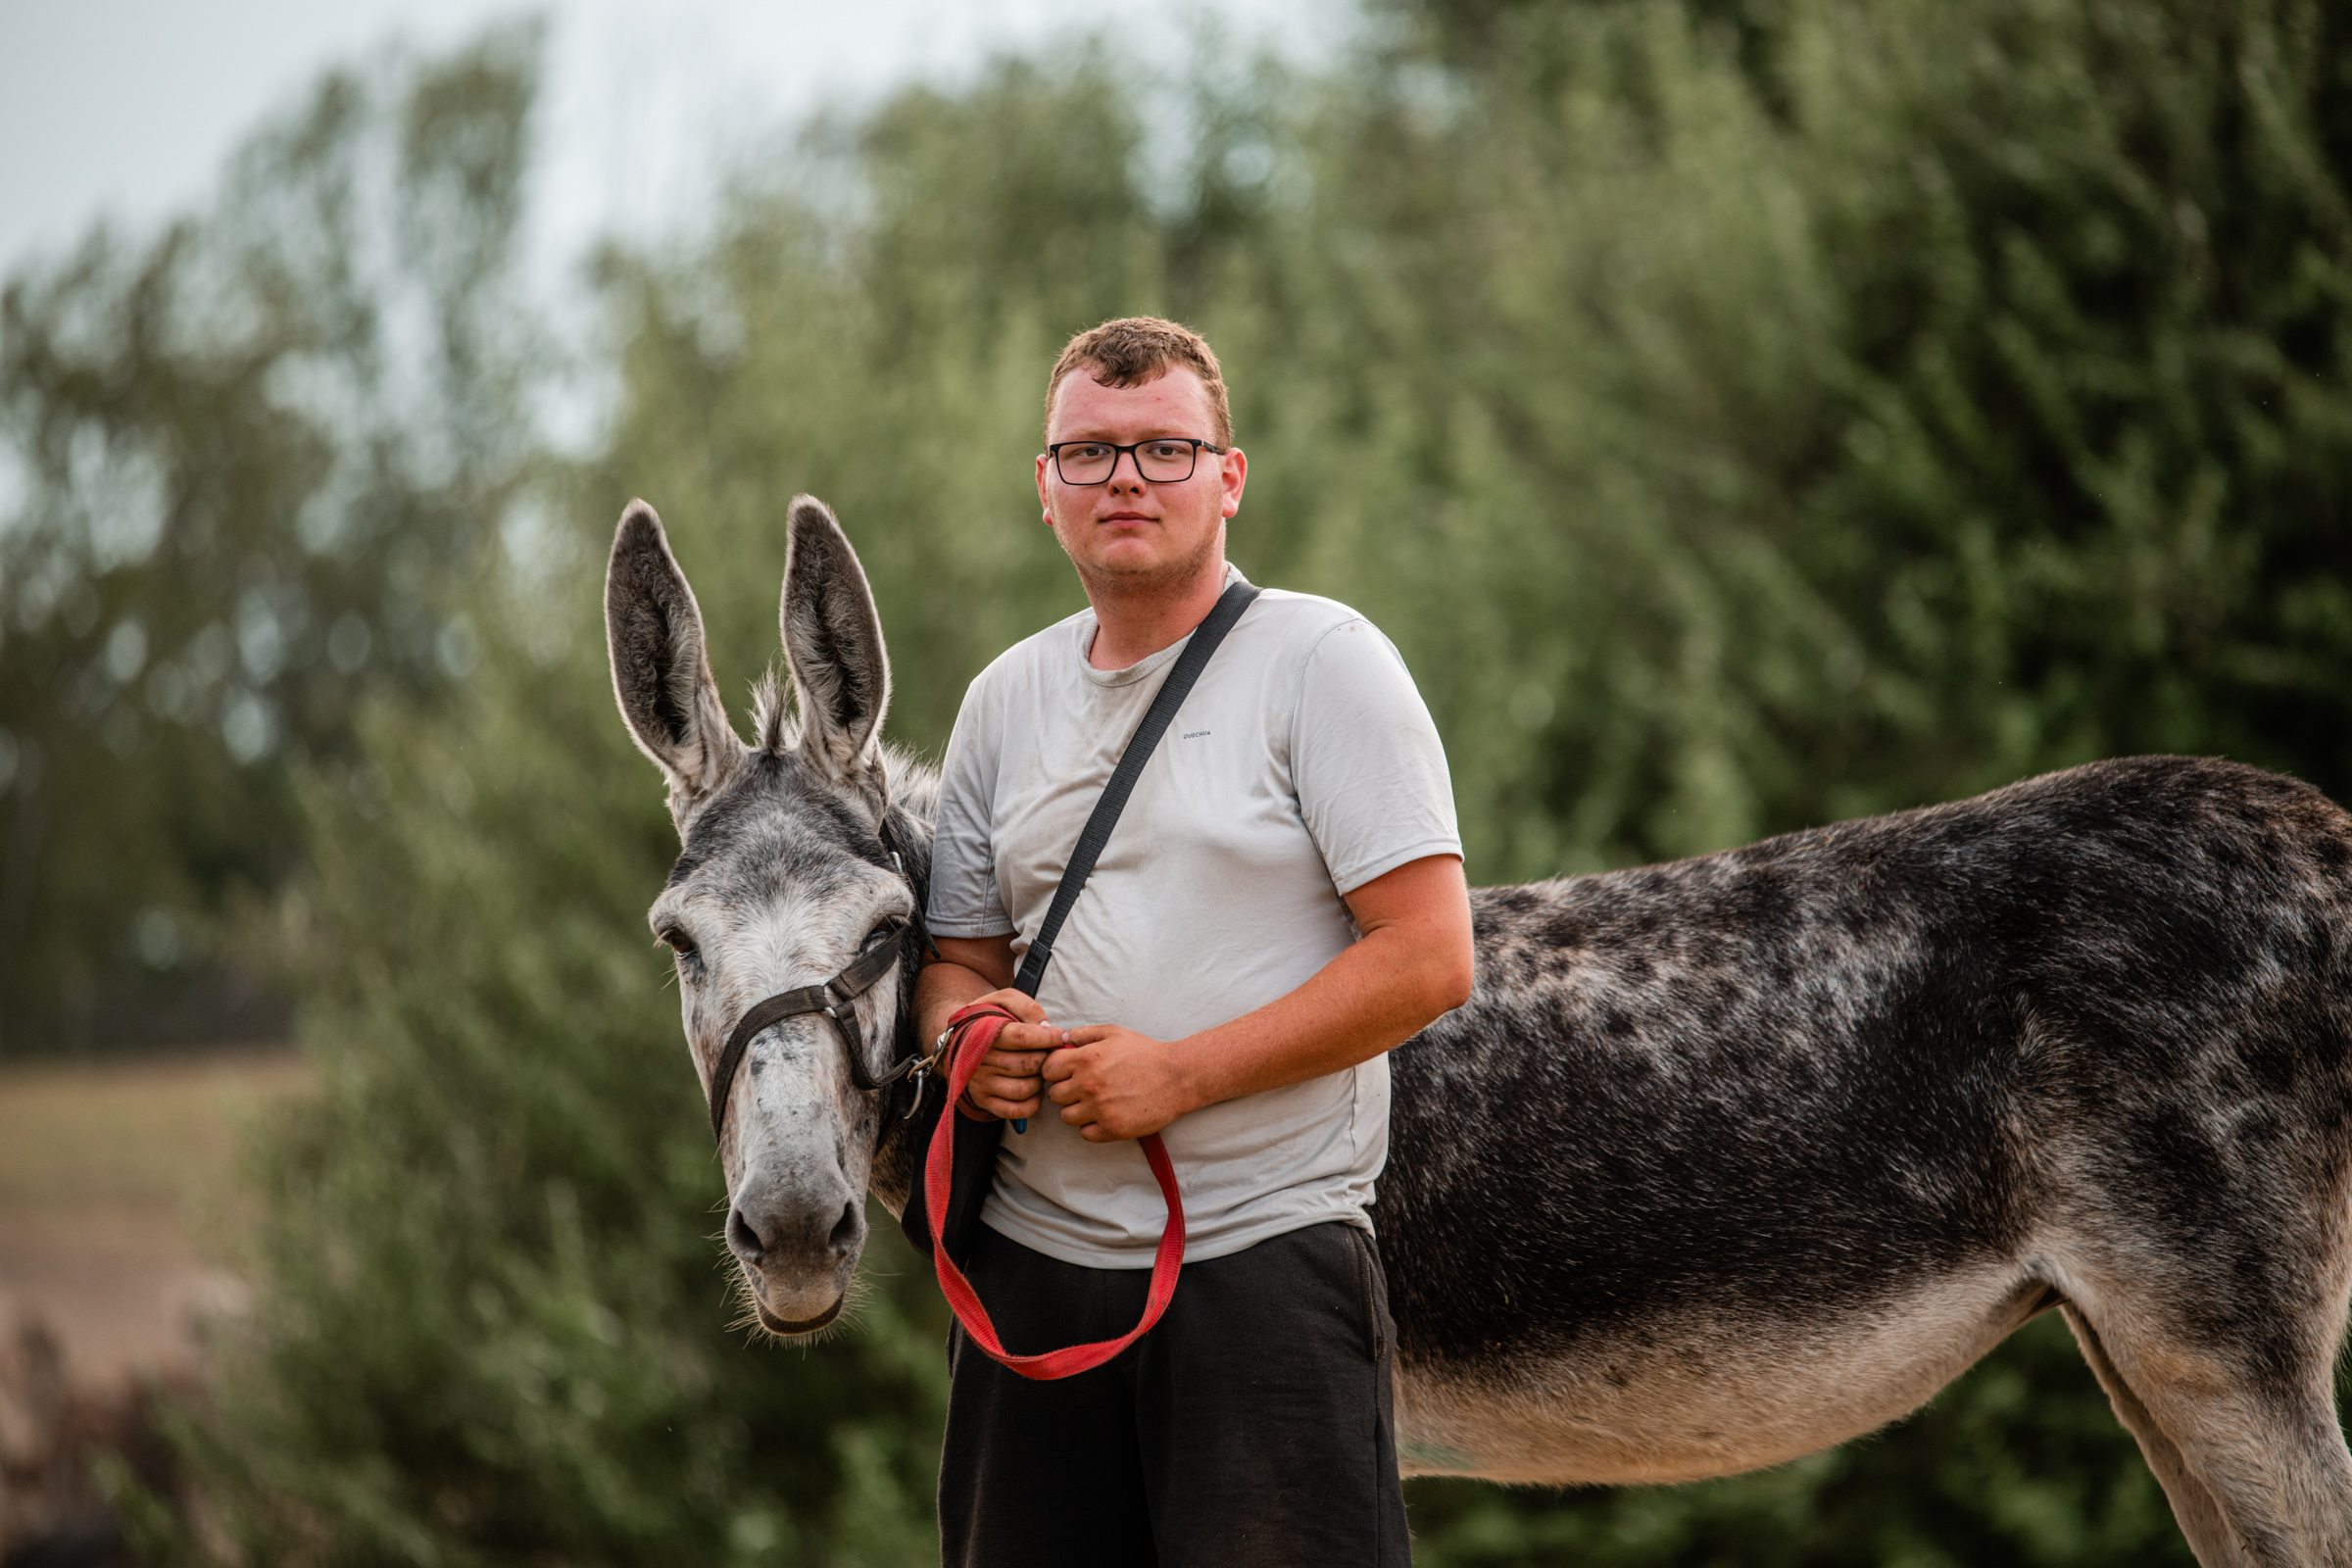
column 250, row 458
column 1741, row 417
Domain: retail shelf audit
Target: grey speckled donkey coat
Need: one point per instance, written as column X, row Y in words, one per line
column 1725, row 1161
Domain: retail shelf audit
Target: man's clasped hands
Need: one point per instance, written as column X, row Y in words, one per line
column 1109, row 1082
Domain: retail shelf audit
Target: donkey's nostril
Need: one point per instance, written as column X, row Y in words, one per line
column 845, row 1231
column 741, row 1237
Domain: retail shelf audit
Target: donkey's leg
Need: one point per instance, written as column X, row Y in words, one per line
column 2200, row 1517
column 2253, row 1424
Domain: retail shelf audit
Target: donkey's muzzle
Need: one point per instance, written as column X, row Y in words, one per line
column 789, row 1243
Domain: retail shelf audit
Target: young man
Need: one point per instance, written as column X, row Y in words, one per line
column 1280, row 902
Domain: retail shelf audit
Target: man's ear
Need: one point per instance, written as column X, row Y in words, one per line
column 833, row 647
column 661, row 672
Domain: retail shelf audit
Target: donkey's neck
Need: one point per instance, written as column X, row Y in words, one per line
column 898, row 1143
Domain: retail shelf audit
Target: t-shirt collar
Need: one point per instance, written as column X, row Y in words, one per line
column 1082, row 627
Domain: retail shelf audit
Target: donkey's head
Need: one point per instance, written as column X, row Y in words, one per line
column 787, row 877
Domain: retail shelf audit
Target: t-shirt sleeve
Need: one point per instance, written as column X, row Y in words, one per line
column 1366, row 758
column 964, row 898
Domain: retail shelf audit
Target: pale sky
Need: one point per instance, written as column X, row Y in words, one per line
column 127, row 108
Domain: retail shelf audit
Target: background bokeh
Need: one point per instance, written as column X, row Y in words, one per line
column 1742, row 414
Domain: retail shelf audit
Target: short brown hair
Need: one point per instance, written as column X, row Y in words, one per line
column 1135, row 349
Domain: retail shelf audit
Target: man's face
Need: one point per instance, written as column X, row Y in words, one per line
column 1129, row 531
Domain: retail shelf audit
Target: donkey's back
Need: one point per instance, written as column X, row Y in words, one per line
column 1732, row 1159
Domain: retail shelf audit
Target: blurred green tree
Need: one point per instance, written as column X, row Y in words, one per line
column 1970, row 403
column 250, row 458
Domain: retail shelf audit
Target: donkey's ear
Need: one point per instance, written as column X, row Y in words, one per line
column 833, row 645
column 661, row 672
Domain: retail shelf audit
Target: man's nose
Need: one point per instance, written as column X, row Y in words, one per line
column 1133, row 464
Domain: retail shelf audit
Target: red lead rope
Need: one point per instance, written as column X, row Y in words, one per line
column 975, row 1029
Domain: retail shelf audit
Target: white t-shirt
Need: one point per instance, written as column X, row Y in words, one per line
column 1301, row 765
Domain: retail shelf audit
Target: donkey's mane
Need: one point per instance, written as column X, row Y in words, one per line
column 772, row 728
column 913, row 782
column 913, row 785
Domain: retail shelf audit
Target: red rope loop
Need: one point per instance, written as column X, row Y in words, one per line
column 974, row 1030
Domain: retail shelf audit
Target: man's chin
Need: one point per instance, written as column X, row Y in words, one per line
column 1130, row 570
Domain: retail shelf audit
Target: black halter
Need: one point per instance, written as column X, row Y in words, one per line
column 834, row 999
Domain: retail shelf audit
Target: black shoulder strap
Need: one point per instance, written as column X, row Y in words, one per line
column 1097, row 833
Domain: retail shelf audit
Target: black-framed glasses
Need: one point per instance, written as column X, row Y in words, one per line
column 1162, row 460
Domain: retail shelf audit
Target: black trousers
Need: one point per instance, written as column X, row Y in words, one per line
column 1254, row 1426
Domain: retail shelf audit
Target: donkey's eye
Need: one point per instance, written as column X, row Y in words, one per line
column 884, row 930
column 683, row 946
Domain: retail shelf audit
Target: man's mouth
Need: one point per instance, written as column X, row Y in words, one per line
column 1125, row 516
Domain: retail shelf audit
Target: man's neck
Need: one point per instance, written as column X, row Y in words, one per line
column 1134, row 621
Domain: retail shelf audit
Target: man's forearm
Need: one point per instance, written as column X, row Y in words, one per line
column 1006, row 1084
column 1411, row 963
column 943, row 987
column 1375, row 994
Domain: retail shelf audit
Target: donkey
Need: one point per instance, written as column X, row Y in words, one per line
column 1725, row 1161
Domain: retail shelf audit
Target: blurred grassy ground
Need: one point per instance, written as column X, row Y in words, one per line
column 117, row 1196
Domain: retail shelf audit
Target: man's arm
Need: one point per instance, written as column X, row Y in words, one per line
column 971, row 969
column 963, row 893
column 1411, row 965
